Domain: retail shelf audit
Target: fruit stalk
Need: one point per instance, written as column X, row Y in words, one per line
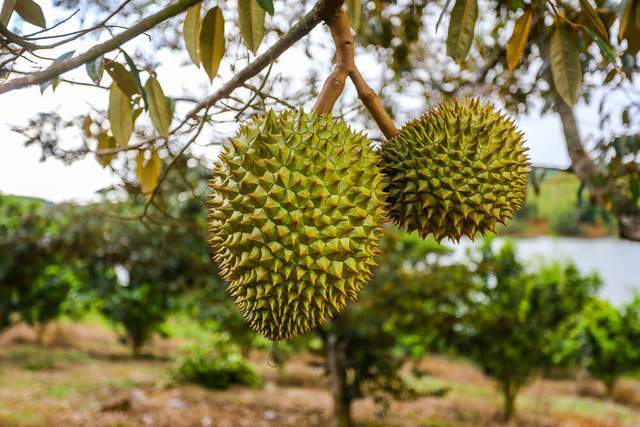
column 346, row 67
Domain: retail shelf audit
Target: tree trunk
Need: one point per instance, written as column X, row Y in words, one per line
column 40, row 328
column 336, row 363
column 626, row 212
column 136, row 349
column 509, row 393
column 610, row 384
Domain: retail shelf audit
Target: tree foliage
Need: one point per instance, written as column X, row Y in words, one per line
column 510, row 328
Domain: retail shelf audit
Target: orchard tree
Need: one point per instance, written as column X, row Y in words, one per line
column 511, row 326
column 408, row 301
column 604, row 340
column 39, row 266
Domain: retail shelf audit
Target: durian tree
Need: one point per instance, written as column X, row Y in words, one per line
column 407, row 309
column 603, row 339
column 513, row 325
column 37, row 269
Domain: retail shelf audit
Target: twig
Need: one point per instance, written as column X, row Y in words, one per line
column 345, row 66
column 165, row 172
column 69, row 64
column 345, row 54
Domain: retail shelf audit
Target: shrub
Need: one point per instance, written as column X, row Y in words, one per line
column 565, row 223
column 217, row 364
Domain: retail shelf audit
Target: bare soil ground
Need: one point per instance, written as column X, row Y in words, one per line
column 84, row 377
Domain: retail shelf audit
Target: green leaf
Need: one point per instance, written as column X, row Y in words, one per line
column 95, row 70
column 594, row 19
column 251, row 22
column 191, row 33
column 136, row 76
column 212, row 41
column 518, row 40
column 606, row 50
column 123, row 78
column 159, row 107
column 565, row 65
column 148, row 172
column 31, row 12
column 461, row 28
column 56, row 80
column 120, row 115
column 267, row 5
column 442, row 12
column 7, row 10
column 105, row 142
column 354, row 10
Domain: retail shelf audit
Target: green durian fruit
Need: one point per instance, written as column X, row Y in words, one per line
column 296, row 214
column 455, row 171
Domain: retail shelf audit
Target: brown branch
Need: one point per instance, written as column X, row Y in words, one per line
column 95, row 52
column 371, row 100
column 345, row 54
column 345, row 66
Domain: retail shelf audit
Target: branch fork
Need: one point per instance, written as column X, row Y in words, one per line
column 346, row 67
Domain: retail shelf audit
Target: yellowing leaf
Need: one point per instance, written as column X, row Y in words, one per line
column 565, row 65
column 461, row 28
column 630, row 23
column 251, row 21
column 212, row 41
column 626, row 19
column 159, row 107
column 148, row 172
column 120, row 115
column 7, row 10
column 191, row 33
column 610, row 76
column 31, row 12
column 594, row 19
column 86, row 127
column 354, row 10
column 105, row 142
column 518, row 39
column 125, row 80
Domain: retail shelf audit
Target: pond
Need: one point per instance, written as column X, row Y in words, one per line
column 616, row 261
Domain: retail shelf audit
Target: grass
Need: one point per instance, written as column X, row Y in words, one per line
column 558, row 192
column 594, row 407
column 34, row 359
column 54, row 387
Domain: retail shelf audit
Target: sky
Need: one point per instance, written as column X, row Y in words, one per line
column 22, row 173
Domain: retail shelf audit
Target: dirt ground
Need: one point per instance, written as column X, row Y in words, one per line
column 96, row 384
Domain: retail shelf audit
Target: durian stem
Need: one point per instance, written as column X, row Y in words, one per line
column 345, row 54
column 372, row 102
column 346, row 66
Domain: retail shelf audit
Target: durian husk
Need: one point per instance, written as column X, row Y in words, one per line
column 295, row 219
column 456, row 171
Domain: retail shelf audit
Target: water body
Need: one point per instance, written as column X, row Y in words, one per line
column 616, row 261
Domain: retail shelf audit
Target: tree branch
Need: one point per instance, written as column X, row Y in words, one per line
column 95, row 52
column 345, row 66
column 345, row 54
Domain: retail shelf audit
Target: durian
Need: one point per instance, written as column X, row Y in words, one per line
column 295, row 219
column 456, row 171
